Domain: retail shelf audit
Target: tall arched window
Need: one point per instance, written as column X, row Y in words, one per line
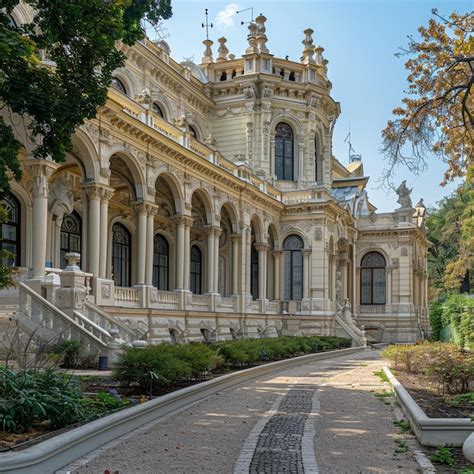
column 11, row 231
column 118, row 85
column 372, row 279
column 192, row 131
column 254, row 272
column 293, row 247
column 196, row 270
column 160, row 263
column 284, row 152
column 158, row 110
column 318, row 171
column 121, row 255
column 70, row 236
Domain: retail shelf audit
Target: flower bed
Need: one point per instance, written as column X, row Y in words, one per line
column 438, row 376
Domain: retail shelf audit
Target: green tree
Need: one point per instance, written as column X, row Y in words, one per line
column 451, row 230
column 436, row 118
column 6, row 271
column 79, row 39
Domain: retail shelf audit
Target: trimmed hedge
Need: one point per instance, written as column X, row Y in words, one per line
column 164, row 365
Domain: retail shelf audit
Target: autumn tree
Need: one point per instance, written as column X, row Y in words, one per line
column 79, row 40
column 436, row 118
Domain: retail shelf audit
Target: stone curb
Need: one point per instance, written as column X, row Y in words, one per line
column 430, row 431
column 52, row 454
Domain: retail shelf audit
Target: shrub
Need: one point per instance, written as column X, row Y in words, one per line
column 458, row 310
column 444, row 363
column 436, row 320
column 68, row 352
column 28, row 397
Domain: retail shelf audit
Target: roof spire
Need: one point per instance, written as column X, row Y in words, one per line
column 261, row 36
column 207, row 56
column 251, row 38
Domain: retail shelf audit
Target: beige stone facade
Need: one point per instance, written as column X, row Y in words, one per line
column 206, row 204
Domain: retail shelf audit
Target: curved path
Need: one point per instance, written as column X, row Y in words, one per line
column 321, row 417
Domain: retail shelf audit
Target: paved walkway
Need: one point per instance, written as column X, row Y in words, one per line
column 321, row 417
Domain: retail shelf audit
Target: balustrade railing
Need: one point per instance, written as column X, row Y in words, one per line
column 200, row 300
column 40, row 318
column 127, row 296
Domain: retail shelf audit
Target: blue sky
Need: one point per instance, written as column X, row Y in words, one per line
column 360, row 38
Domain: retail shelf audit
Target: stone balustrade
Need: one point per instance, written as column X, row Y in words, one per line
column 129, row 297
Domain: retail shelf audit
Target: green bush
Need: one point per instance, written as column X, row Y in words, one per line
column 68, row 352
column 436, row 320
column 28, row 397
column 458, row 310
column 165, row 364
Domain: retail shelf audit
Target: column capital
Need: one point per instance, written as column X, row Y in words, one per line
column 41, row 170
column 277, row 253
column 152, row 209
column 93, row 190
column 306, row 252
column 212, row 230
column 261, row 246
column 106, row 192
column 140, row 207
column 182, row 220
column 235, row 238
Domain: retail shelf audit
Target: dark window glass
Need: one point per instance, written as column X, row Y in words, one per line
column 11, row 22
column 317, row 176
column 160, row 263
column 284, row 162
column 118, row 85
column 254, row 272
column 158, row 110
column 372, row 279
column 196, row 270
column 121, row 255
column 70, row 236
column 293, row 268
column 10, row 235
column 192, row 130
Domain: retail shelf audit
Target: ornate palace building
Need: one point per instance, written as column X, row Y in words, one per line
column 206, row 204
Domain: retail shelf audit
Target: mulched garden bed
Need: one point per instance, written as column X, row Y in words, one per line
column 435, row 404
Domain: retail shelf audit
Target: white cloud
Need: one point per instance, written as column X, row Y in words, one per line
column 225, row 18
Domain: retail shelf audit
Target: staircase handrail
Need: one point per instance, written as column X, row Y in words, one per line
column 55, row 310
column 113, row 321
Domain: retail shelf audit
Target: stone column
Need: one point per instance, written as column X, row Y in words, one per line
column 94, row 237
column 106, row 194
column 41, row 170
column 187, row 252
column 300, row 160
column 262, row 249
column 210, row 259
column 389, row 286
column 217, row 234
column 235, row 262
column 141, row 210
column 306, row 273
column 179, row 253
column 277, row 255
column 150, row 235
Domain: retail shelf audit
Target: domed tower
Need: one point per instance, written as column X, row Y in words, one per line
column 274, row 115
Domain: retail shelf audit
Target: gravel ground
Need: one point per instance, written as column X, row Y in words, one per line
column 354, row 429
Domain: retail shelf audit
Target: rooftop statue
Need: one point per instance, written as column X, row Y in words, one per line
column 404, row 198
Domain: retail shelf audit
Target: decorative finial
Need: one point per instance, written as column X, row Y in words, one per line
column 308, row 50
column 207, row 56
column 223, row 50
column 261, row 36
column 251, row 38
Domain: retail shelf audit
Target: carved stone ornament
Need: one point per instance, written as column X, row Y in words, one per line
column 60, row 199
column 404, row 198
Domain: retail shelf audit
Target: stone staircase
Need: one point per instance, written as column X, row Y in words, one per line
column 346, row 322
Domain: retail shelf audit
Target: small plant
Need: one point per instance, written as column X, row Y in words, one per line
column 401, row 446
column 404, row 425
column 68, row 352
column 443, row 455
column 381, row 375
column 383, row 396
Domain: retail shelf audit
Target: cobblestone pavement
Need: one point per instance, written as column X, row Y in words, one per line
column 320, row 417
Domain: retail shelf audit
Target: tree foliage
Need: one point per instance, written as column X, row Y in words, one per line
column 436, row 117
column 451, row 230
column 55, row 71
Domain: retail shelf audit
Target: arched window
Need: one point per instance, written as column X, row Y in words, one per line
column 293, row 246
column 11, row 231
column 158, row 110
column 196, row 270
column 70, row 236
column 160, row 263
column 254, row 272
column 118, row 85
column 372, row 279
column 192, row 131
column 121, row 255
column 284, row 152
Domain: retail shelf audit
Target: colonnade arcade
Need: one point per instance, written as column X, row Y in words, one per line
column 168, row 242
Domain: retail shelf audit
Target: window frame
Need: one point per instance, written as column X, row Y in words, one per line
column 195, row 277
column 158, row 267
column 284, row 164
column 14, row 202
column 63, row 250
column 125, row 279
column 371, row 270
column 293, row 262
